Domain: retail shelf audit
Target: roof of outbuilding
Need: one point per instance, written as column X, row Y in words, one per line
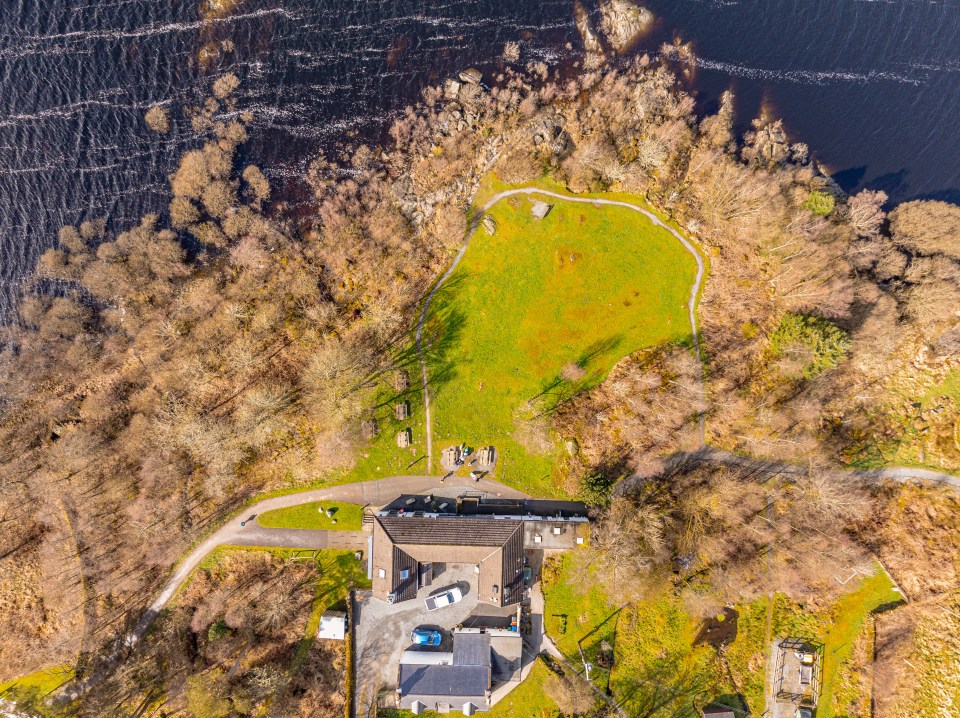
column 465, row 681
column 715, row 711
column 471, row 649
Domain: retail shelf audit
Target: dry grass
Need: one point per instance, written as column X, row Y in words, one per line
column 917, row 674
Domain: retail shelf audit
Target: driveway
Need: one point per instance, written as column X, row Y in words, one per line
column 383, row 630
column 374, row 493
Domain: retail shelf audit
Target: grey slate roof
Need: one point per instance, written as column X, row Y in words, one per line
column 471, row 649
column 469, row 682
column 448, row 531
column 715, row 711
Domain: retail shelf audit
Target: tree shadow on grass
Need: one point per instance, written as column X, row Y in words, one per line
column 668, row 688
column 561, row 389
column 443, row 330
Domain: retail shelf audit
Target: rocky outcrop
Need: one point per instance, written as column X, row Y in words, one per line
column 591, row 41
column 623, row 22
column 768, row 145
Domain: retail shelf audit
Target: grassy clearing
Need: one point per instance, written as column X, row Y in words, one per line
column 844, row 623
column 746, row 656
column 837, row 627
column 658, row 665
column 577, row 613
column 346, row 517
column 579, row 289
column 921, row 433
column 656, row 662
column 31, row 691
column 650, row 640
column 381, row 457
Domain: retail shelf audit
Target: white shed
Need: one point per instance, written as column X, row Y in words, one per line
column 333, row 625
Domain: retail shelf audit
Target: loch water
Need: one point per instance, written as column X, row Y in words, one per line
column 873, row 86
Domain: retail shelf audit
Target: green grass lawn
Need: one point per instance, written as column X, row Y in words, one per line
column 576, row 611
column 658, row 670
column 31, row 691
column 651, row 639
column 657, row 663
column 380, row 457
column 836, row 627
column 583, row 288
column 348, row 517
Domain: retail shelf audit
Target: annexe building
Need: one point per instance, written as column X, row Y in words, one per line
column 417, row 533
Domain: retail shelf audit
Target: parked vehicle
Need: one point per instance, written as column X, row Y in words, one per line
column 441, row 600
column 804, row 713
column 420, row 637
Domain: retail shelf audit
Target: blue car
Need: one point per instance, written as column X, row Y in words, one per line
column 425, row 638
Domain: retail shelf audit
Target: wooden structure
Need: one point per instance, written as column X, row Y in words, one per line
column 402, row 410
column 369, row 428
column 403, row 438
column 486, row 459
column 451, row 458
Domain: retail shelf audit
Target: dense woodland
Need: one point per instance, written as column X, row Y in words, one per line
column 220, row 350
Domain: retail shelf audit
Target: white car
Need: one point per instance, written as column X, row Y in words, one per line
column 441, row 600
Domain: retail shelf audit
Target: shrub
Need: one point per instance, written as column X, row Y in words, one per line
column 218, row 629
column 813, row 342
column 595, row 489
column 820, row 203
column 224, row 85
column 158, row 119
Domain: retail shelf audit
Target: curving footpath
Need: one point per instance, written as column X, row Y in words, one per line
column 691, row 302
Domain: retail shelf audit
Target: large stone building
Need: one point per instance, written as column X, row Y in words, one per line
column 416, row 533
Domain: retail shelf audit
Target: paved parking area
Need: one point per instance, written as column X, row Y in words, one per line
column 383, row 630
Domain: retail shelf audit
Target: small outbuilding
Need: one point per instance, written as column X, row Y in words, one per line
column 402, row 411
column 333, row 626
column 403, row 439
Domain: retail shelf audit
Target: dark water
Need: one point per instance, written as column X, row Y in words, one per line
column 872, row 86
column 76, row 77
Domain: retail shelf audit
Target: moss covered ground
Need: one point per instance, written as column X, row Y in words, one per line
column 31, row 691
